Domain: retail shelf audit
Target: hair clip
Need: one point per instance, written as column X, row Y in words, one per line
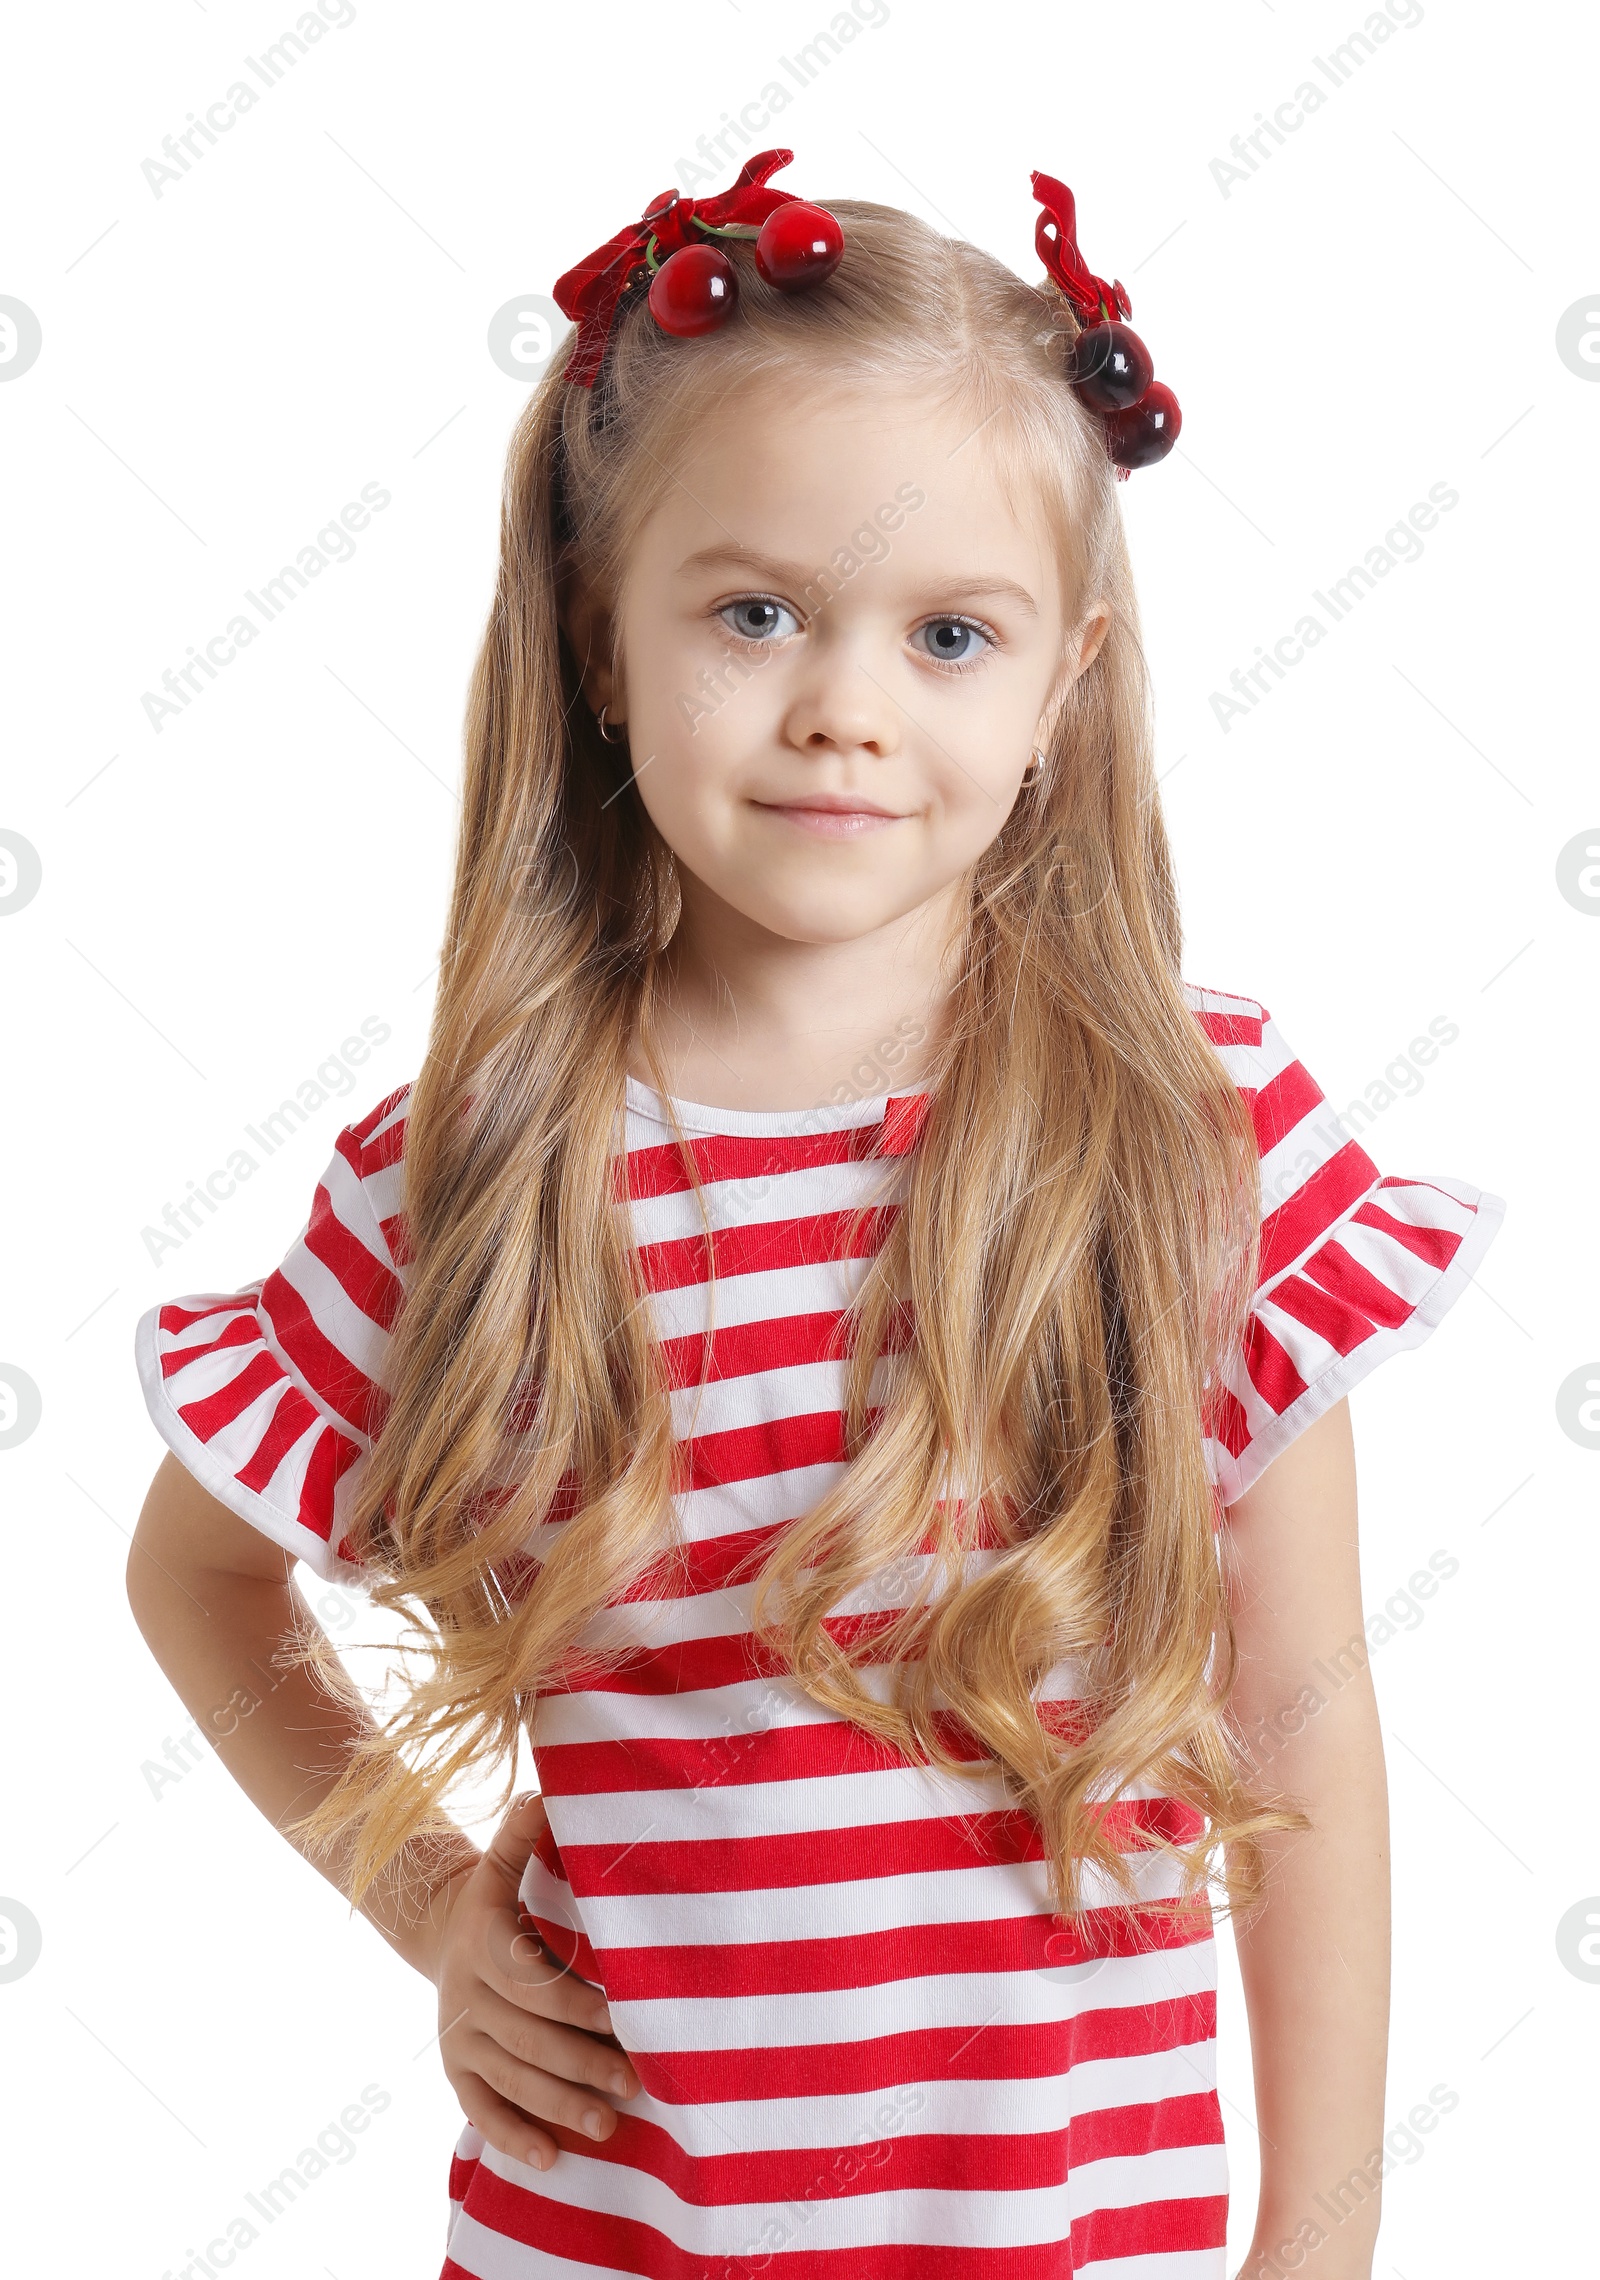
column 1112, row 370
column 694, row 287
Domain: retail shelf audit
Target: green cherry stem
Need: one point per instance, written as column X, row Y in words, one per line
column 726, row 229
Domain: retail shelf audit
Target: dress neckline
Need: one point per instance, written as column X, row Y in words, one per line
column 822, row 1116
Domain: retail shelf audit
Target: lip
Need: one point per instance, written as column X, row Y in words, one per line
column 833, row 815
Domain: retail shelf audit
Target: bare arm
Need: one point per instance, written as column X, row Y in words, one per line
column 1315, row 1958
column 215, row 1602
column 519, row 2036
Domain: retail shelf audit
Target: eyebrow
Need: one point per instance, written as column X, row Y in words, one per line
column 799, row 575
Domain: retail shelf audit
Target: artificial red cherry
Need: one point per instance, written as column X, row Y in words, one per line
column 1145, row 431
column 695, row 290
column 1111, row 367
column 798, row 245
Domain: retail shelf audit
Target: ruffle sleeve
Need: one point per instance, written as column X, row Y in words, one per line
column 270, row 1396
column 1354, row 1264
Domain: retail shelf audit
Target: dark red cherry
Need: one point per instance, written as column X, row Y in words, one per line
column 798, row 245
column 1111, row 367
column 694, row 291
column 1145, row 431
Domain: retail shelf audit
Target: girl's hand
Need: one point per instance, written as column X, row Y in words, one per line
column 521, row 2037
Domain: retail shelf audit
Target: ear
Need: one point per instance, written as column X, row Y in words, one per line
column 1079, row 653
column 1092, row 630
column 587, row 625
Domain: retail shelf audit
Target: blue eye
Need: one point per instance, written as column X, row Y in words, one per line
column 756, row 617
column 952, row 640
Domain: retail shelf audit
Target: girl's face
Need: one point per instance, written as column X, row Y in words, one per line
column 839, row 646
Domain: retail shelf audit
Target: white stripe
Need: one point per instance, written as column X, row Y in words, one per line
column 1010, row 2108
column 384, row 1190
column 766, row 1199
column 777, row 1808
column 967, row 2002
column 855, row 1908
column 709, row 1713
column 211, row 1368
column 769, row 1296
column 723, row 1611
column 335, row 1314
column 224, row 1309
column 769, row 1397
column 353, row 1208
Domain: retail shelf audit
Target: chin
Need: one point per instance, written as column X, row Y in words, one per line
column 820, row 927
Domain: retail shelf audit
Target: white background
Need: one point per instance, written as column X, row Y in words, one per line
column 1371, row 312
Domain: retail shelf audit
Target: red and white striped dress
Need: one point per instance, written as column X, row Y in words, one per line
column 867, row 2048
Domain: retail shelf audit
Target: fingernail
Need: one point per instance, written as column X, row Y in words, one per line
column 619, row 2083
column 594, row 2124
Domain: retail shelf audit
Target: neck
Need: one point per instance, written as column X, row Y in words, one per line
column 749, row 1019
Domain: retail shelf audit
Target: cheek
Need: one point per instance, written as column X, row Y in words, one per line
column 685, row 760
column 976, row 779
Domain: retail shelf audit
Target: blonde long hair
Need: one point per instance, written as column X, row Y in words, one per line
column 1077, row 1231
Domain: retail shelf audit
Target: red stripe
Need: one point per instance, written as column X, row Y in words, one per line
column 903, row 1120
column 243, row 1330
column 753, row 1158
column 778, row 1753
column 780, row 1342
column 997, row 2052
column 1437, row 1245
column 980, row 1839
column 753, row 1452
column 365, row 1281
column 206, row 1418
column 1229, row 1425
column 332, row 1376
column 762, row 1247
column 291, row 1420
column 1347, row 1280
column 1282, row 1104
column 1149, row 2226
column 331, row 1458
column 1341, row 1326
column 1233, row 1028
column 172, row 1319
column 738, row 1969
column 1272, row 1373
column 1293, row 1228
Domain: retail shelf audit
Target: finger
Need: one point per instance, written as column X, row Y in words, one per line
column 518, row 1965
column 558, row 2050
column 539, row 2094
column 516, row 1837
column 503, row 2125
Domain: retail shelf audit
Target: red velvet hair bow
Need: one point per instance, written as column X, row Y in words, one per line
column 1055, row 238
column 589, row 293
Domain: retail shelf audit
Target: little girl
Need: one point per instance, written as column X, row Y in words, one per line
column 840, row 1345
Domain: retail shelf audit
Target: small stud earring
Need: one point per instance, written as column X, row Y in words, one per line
column 612, row 736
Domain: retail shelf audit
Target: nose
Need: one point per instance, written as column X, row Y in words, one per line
column 838, row 706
